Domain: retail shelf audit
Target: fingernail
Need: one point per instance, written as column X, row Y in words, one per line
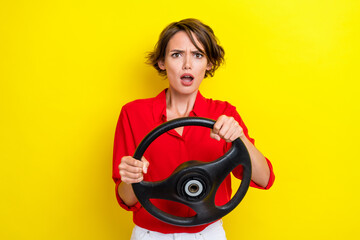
column 145, row 169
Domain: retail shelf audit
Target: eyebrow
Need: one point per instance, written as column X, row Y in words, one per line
column 182, row 51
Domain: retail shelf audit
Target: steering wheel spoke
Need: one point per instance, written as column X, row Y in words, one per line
column 165, row 189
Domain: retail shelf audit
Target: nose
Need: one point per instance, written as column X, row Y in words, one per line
column 187, row 62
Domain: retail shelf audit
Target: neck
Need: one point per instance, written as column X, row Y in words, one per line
column 179, row 105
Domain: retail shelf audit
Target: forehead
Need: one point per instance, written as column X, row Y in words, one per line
column 181, row 40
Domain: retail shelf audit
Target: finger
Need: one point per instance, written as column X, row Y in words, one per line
column 214, row 136
column 145, row 164
column 132, row 161
column 131, row 180
column 234, row 136
column 130, row 175
column 218, row 124
column 225, row 129
column 128, row 168
column 228, row 135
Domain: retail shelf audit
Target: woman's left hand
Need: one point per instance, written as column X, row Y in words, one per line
column 226, row 128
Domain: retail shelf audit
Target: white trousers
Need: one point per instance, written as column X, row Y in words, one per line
column 214, row 231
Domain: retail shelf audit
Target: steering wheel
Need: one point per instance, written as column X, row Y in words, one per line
column 193, row 183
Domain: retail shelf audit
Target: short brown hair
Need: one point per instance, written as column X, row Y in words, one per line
column 204, row 34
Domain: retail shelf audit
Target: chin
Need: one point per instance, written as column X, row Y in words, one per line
column 185, row 90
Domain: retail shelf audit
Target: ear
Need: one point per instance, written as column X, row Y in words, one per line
column 209, row 66
column 161, row 64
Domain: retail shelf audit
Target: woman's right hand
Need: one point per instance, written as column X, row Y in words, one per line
column 131, row 170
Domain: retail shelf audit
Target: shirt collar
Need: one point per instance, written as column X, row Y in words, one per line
column 200, row 105
column 159, row 106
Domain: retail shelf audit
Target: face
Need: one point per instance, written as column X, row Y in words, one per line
column 185, row 65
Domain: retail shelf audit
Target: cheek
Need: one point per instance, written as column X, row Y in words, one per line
column 173, row 66
column 202, row 68
column 171, row 72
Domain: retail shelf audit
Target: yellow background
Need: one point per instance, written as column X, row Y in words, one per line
column 67, row 67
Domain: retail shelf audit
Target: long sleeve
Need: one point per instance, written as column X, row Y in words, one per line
column 237, row 172
column 124, row 145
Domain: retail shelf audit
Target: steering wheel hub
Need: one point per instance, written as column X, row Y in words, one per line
column 193, row 186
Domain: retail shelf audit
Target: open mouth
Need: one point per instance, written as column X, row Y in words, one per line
column 187, row 79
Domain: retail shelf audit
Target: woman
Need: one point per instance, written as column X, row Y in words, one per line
column 186, row 53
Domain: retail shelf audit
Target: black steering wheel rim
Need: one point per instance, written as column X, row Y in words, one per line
column 204, row 206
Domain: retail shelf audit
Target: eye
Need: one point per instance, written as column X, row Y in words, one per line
column 198, row 55
column 175, row 55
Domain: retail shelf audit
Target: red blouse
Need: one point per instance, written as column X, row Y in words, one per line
column 138, row 118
